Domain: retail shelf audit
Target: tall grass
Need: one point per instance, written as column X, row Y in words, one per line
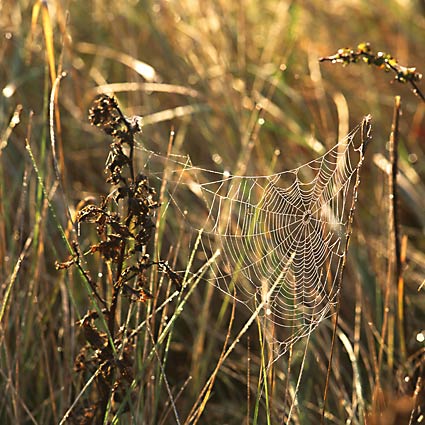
column 238, row 86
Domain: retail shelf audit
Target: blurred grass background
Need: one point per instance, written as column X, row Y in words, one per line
column 201, row 68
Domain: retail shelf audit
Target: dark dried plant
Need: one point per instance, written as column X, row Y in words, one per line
column 124, row 221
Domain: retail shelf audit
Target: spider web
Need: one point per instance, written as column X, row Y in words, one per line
column 281, row 238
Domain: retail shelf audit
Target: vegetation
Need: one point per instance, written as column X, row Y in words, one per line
column 100, row 321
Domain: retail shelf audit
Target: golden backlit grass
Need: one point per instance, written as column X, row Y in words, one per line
column 209, row 70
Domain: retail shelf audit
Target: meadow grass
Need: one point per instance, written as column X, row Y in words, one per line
column 235, row 85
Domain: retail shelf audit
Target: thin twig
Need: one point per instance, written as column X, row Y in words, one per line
column 393, row 262
column 395, row 228
column 393, row 148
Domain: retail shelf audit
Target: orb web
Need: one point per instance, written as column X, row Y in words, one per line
column 281, row 238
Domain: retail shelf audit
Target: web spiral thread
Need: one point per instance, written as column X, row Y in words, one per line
column 282, row 238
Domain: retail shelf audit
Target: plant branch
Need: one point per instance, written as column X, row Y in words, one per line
column 382, row 60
